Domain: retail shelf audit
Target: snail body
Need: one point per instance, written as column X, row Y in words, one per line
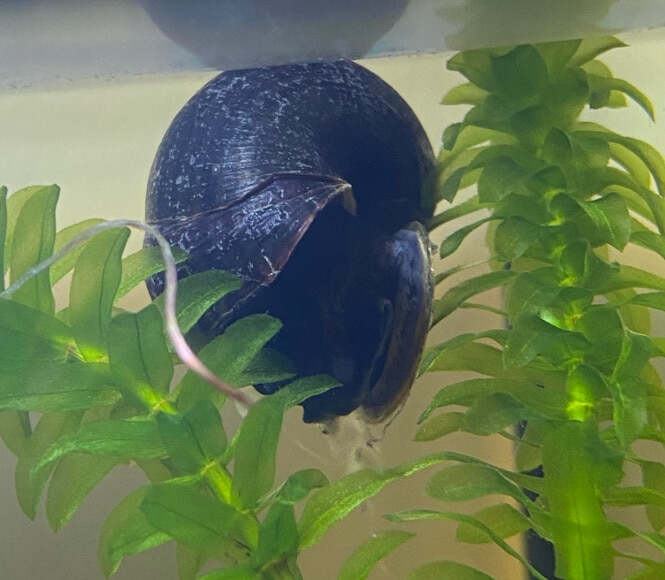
column 306, row 180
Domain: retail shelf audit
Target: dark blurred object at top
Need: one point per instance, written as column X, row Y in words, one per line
column 227, row 33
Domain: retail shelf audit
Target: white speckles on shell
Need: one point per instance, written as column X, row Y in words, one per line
column 254, row 155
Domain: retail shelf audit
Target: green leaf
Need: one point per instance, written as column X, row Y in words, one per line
column 268, row 366
column 139, row 358
column 594, row 46
column 558, row 149
column 653, row 571
column 630, row 277
column 656, row 540
column 189, row 562
column 627, row 387
column 464, row 94
column 614, row 84
column 464, row 482
column 416, row 515
column 514, row 236
column 229, row 354
column 581, row 539
column 475, row 65
column 15, row 203
column 299, row 484
column 502, row 518
column 528, row 456
column 602, row 326
column 257, row 438
column 454, row 240
column 631, row 496
column 125, row 439
column 143, row 264
column 49, row 429
column 653, row 477
column 450, row 134
column 457, row 211
column 581, row 266
column 531, row 292
column 649, row 240
column 297, row 391
column 462, row 353
column 501, row 177
column 451, row 185
column 493, row 412
column 74, row 477
column 125, row 532
column 333, row 502
column 94, row 283
column 651, row 157
column 200, row 521
column 62, row 238
column 439, row 426
column 56, row 387
column 531, row 125
column 548, row 402
column 33, row 240
column 531, row 337
column 15, row 429
column 197, row 293
column 278, row 534
column 557, row 55
column 609, row 216
column 457, row 295
column 447, row 570
column 3, row 234
column 453, row 172
column 30, row 335
column 194, row 438
column 520, row 75
column 632, row 164
column 367, row 555
column 634, row 316
column 471, row 136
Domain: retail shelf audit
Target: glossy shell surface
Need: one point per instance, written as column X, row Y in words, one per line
column 306, row 181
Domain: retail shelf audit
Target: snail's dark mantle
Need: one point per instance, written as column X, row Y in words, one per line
column 307, row 181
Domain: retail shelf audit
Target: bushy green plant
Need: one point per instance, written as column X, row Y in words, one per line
column 88, row 387
column 564, row 198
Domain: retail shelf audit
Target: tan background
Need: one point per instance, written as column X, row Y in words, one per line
column 97, row 142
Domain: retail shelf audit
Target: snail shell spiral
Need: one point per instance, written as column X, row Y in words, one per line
column 307, row 181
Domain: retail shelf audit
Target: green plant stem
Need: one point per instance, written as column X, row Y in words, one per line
column 579, row 529
column 220, row 482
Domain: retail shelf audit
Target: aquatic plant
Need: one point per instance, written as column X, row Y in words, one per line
column 564, row 198
column 89, row 387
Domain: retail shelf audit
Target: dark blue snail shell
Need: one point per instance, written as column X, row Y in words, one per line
column 306, row 180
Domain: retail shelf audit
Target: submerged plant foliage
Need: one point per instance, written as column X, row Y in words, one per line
column 89, row 387
column 574, row 364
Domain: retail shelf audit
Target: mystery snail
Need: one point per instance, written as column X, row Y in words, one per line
column 306, row 180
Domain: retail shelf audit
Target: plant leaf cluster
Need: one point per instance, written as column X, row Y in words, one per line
column 574, row 364
column 90, row 387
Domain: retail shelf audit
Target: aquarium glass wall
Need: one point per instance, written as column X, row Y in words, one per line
column 88, row 110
